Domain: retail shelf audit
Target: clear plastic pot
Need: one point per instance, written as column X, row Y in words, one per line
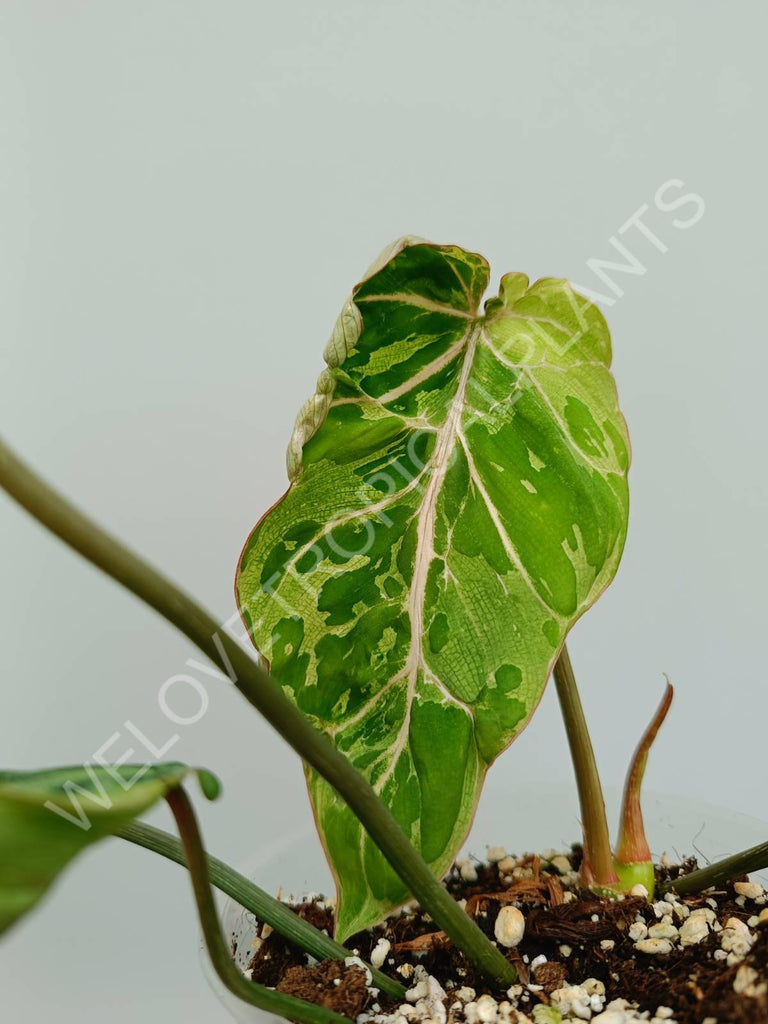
column 542, row 818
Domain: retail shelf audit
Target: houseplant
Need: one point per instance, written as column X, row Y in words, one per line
column 458, row 500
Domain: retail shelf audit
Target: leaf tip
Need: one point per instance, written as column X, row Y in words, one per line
column 210, row 784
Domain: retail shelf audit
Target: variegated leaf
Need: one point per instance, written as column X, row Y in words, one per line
column 458, row 500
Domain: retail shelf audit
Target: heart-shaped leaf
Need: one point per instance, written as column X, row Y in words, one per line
column 458, row 500
column 48, row 817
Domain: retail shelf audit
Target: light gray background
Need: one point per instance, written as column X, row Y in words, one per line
column 188, row 192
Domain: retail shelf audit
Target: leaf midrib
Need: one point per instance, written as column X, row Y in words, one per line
column 425, row 544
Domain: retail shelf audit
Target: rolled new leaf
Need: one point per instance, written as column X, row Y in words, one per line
column 458, row 499
column 48, row 817
column 633, row 861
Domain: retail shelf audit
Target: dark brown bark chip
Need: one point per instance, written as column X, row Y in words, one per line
column 331, row 984
column 550, row 976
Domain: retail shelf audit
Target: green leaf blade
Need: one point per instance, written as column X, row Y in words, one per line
column 459, row 499
column 48, row 817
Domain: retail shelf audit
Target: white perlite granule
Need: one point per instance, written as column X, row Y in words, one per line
column 751, row 890
column 693, row 930
column 380, row 951
column 467, row 870
column 576, row 1001
column 495, row 854
column 654, row 947
column 509, row 927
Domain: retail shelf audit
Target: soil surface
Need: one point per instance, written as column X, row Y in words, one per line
column 692, row 960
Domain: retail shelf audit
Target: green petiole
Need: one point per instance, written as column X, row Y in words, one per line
column 263, row 906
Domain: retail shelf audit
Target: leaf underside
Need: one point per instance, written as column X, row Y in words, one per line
column 458, row 500
column 47, row 818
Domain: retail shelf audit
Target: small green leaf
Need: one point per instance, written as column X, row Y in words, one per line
column 458, row 500
column 47, row 817
column 210, row 784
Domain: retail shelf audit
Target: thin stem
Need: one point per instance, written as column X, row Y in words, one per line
column 263, row 906
column 265, row 694
column 753, row 859
column 249, row 991
column 598, row 860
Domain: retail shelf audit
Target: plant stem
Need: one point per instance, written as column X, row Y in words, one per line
column 265, row 694
column 250, row 992
column 265, row 907
column 598, row 859
column 753, row 859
